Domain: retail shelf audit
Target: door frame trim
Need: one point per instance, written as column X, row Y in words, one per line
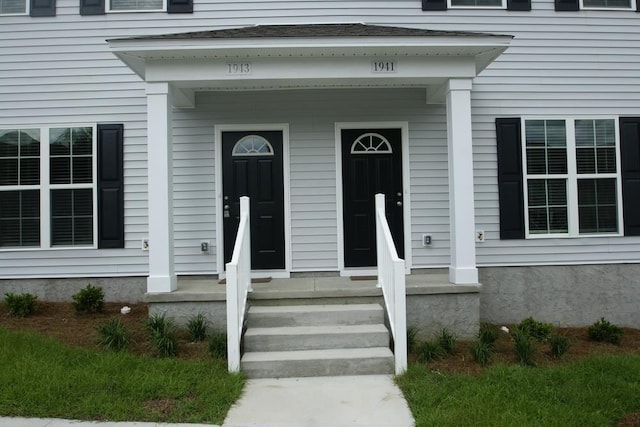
column 284, row 128
column 406, row 189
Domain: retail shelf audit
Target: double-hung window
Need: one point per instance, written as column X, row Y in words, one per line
column 48, row 187
column 136, row 5
column 477, row 4
column 608, row 4
column 13, row 7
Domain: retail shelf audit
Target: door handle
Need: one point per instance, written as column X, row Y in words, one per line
column 399, row 203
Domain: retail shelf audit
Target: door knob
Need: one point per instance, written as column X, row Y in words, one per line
column 399, row 203
column 226, row 207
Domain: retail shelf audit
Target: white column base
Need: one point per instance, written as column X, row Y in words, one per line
column 463, row 276
column 159, row 284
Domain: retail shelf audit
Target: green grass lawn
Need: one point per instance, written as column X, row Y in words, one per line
column 596, row 391
column 41, row 377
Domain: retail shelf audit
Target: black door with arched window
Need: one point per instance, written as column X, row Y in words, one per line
column 371, row 164
column 252, row 166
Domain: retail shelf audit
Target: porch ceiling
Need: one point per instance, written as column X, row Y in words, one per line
column 308, row 56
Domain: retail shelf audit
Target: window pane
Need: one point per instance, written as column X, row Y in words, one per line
column 536, row 161
column 60, row 142
column 82, row 170
column 586, row 160
column 556, row 133
column 30, row 171
column 82, row 141
column 535, row 135
column 557, row 160
column 597, row 205
column 606, row 160
column 605, row 133
column 547, row 206
column 19, row 218
column 60, row 170
column 136, row 4
column 608, row 3
column 546, row 144
column 538, row 221
column 29, row 143
column 8, row 143
column 558, row 222
column 8, row 171
column 584, row 133
column 71, row 217
column 537, row 193
column 557, row 192
column 13, row 6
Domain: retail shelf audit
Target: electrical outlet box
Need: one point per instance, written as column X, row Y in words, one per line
column 204, row 246
column 480, row 236
column 145, row 244
column 426, row 239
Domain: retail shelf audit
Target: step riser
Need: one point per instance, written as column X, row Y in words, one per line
column 270, row 320
column 315, row 342
column 318, row 368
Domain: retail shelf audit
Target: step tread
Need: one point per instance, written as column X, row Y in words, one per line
column 313, row 330
column 346, row 353
column 320, row 308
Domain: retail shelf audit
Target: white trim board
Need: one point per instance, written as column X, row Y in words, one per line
column 284, row 128
column 406, row 188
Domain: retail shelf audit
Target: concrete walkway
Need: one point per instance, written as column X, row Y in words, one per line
column 356, row 401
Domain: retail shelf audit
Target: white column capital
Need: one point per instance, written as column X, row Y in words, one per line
column 157, row 88
column 459, row 84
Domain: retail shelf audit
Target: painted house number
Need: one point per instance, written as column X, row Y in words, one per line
column 239, row 68
column 384, row 66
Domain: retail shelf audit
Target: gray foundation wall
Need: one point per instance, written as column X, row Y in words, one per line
column 563, row 295
column 116, row 289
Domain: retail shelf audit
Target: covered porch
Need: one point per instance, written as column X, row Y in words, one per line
column 320, row 57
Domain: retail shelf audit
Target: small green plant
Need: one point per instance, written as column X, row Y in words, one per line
column 21, row 305
column 412, row 338
column 558, row 344
column 431, row 351
column 218, row 345
column 447, row 341
column 481, row 351
column 487, row 334
column 535, row 329
column 113, row 335
column 89, row 300
column 163, row 335
column 605, row 331
column 197, row 326
column 524, row 347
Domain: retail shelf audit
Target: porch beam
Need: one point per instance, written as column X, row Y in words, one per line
column 462, row 269
column 162, row 277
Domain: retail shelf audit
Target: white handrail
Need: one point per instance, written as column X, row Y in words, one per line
column 238, row 286
column 392, row 281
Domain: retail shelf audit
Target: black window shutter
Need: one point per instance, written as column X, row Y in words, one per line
column 42, row 8
column 567, row 5
column 630, row 168
column 92, row 7
column 519, row 5
column 434, row 4
column 180, row 6
column 110, row 186
column 510, row 178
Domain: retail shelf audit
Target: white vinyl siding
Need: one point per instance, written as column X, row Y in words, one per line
column 59, row 71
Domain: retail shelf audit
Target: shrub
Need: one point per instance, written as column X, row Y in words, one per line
column 535, row 329
column 605, row 331
column 431, row 351
column 447, row 341
column 412, row 338
column 21, row 305
column 197, row 326
column 89, row 300
column 481, row 351
column 524, row 347
column 163, row 335
column 487, row 334
column 218, row 345
column 559, row 344
column 113, row 335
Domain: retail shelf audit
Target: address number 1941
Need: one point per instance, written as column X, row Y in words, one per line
column 384, row 66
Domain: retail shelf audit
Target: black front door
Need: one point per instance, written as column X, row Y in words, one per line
column 371, row 164
column 252, row 166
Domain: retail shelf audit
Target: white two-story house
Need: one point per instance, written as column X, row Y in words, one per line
column 505, row 135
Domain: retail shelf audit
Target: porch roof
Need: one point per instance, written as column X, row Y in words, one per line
column 308, row 56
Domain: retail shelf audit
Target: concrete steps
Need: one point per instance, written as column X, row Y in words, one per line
column 316, row 340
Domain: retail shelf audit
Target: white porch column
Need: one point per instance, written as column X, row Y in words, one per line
column 162, row 277
column 463, row 246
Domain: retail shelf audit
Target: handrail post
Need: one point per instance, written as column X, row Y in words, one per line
column 379, row 236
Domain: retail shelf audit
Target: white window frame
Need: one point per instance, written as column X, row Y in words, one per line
column 452, row 6
column 27, row 11
column 572, row 177
column 45, row 188
column 108, row 8
column 631, row 7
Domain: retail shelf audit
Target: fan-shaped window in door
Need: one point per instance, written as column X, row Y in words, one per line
column 371, row 143
column 252, row 145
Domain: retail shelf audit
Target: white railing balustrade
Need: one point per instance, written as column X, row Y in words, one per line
column 392, row 281
column 238, row 286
